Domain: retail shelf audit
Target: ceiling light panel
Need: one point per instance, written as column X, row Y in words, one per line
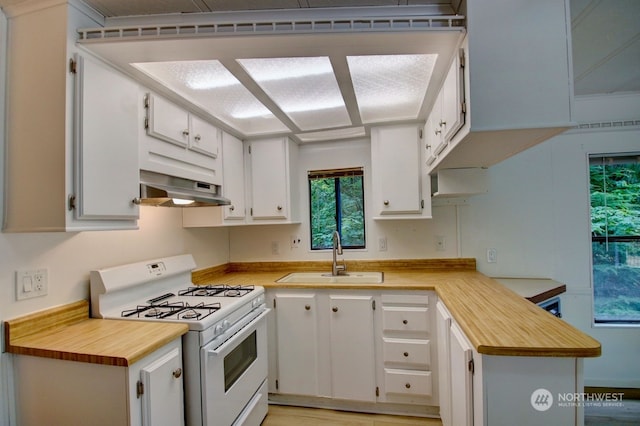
column 305, row 89
column 209, row 85
column 390, row 87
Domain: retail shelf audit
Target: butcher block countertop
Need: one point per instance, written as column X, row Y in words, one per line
column 496, row 320
column 67, row 333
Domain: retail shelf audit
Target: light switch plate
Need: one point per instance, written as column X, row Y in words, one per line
column 32, row 283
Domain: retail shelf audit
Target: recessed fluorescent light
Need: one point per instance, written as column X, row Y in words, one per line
column 335, row 134
column 390, row 87
column 304, row 88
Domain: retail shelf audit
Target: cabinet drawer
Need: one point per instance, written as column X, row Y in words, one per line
column 410, row 352
column 407, row 382
column 405, row 318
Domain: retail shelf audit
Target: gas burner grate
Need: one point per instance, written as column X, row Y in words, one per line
column 220, row 290
column 153, row 310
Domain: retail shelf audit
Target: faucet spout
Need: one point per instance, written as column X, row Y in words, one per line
column 337, row 250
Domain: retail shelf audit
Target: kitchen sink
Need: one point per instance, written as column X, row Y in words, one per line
column 324, row 277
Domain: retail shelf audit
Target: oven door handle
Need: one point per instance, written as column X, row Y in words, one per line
column 239, row 335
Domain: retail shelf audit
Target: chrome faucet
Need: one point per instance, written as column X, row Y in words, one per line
column 337, row 250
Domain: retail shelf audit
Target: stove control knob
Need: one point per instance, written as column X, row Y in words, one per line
column 225, row 324
column 219, row 329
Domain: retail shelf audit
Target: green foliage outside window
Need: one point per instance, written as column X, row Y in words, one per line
column 615, row 227
column 337, row 203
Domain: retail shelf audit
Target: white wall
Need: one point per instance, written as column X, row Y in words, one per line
column 406, row 239
column 536, row 215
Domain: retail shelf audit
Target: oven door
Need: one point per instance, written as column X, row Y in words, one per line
column 233, row 370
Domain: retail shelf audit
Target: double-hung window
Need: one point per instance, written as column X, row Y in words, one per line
column 615, row 237
column 336, row 203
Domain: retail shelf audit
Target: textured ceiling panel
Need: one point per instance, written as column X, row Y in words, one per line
column 390, row 87
column 304, row 88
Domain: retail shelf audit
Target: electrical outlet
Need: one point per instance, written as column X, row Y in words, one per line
column 32, row 283
column 440, row 243
column 492, row 255
column 382, row 244
column 295, row 241
column 275, row 247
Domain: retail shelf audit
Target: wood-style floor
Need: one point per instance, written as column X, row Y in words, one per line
column 280, row 415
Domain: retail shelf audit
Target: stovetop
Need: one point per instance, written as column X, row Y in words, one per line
column 161, row 290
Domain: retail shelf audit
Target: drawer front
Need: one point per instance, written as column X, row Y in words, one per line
column 405, row 318
column 415, row 353
column 408, row 382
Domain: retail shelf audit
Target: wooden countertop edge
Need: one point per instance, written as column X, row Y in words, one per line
column 442, row 281
column 84, row 339
column 541, row 297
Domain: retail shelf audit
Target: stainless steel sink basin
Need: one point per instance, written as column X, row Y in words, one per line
column 323, row 277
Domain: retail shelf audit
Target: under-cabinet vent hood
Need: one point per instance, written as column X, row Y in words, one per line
column 169, row 191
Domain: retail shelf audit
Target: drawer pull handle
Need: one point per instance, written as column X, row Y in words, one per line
column 408, row 386
column 177, row 373
column 406, row 354
column 334, row 309
column 405, row 322
column 307, row 307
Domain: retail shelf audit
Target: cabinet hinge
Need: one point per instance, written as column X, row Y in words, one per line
column 277, row 384
column 422, row 204
column 251, row 211
column 462, row 58
column 146, row 123
column 471, row 366
column 139, row 389
column 73, row 66
column 249, row 149
column 420, row 133
column 145, row 101
column 72, row 202
column 373, row 305
column 274, row 303
column 463, row 107
column 377, row 391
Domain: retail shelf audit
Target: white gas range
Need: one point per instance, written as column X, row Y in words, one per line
column 225, row 350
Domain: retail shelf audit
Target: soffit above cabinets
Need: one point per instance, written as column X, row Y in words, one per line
column 312, row 78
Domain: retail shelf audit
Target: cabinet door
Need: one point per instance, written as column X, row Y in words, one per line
column 204, row 137
column 297, row 337
column 233, row 172
column 443, row 324
column 352, row 348
column 106, row 142
column 461, row 378
column 453, row 97
column 396, row 170
column 435, row 138
column 162, row 399
column 167, row 121
column 269, row 171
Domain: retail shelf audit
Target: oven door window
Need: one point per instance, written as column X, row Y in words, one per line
column 239, row 359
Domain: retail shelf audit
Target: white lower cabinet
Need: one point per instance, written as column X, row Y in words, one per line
column 324, row 344
column 407, row 344
column 149, row 392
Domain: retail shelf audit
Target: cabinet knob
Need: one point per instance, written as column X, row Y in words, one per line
column 177, row 373
column 437, row 132
column 443, row 123
column 185, row 132
column 197, row 138
column 406, row 354
column 405, row 322
column 408, row 385
column 307, row 307
column 279, row 208
column 232, row 207
column 385, row 202
column 334, row 309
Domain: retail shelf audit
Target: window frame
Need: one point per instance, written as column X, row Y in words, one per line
column 606, row 239
column 337, row 174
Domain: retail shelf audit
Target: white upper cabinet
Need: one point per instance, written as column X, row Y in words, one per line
column 272, row 176
column 204, row 137
column 397, row 174
column 106, row 143
column 178, row 143
column 517, row 81
column 233, row 171
column 71, row 157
